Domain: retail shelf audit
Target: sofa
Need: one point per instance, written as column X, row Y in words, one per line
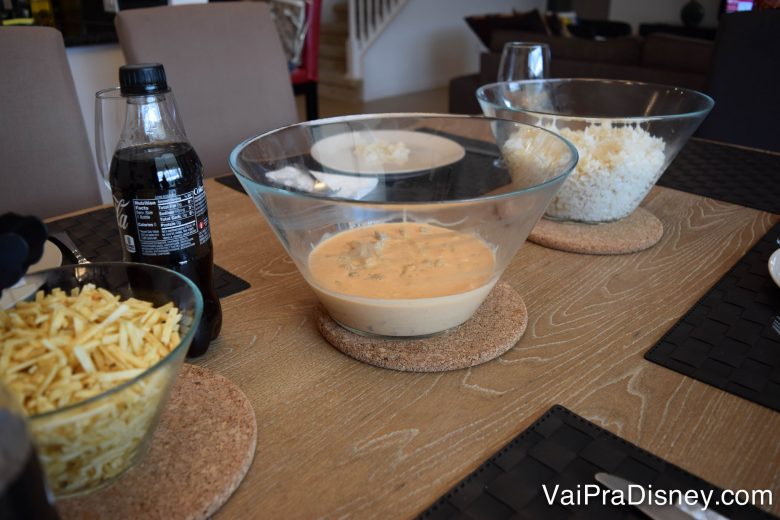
column 657, row 58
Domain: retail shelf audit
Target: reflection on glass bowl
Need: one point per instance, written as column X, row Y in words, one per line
column 626, row 134
column 387, row 152
column 416, row 255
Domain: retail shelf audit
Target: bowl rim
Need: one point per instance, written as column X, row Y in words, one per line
column 708, row 100
column 280, row 190
column 185, row 340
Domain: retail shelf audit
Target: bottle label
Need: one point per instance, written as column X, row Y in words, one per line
column 166, row 223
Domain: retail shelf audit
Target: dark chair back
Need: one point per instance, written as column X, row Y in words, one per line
column 745, row 81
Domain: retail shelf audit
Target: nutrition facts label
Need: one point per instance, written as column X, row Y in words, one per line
column 172, row 222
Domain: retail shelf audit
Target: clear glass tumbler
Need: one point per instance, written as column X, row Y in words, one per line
column 110, row 111
column 524, row 60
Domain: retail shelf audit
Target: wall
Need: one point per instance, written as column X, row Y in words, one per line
column 94, row 68
column 659, row 11
column 428, row 44
column 591, row 9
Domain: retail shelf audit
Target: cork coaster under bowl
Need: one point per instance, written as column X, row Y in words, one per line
column 496, row 327
column 637, row 232
column 197, row 457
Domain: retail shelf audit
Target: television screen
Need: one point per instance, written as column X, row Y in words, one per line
column 732, row 6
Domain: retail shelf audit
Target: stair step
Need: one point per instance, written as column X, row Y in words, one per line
column 336, row 85
column 339, row 79
column 341, row 12
column 336, row 77
column 332, row 64
column 332, row 50
column 333, row 38
column 341, row 92
column 334, row 28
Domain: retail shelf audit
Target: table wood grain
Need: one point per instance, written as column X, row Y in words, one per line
column 338, row 438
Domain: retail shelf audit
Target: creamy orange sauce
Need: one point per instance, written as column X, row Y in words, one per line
column 403, row 260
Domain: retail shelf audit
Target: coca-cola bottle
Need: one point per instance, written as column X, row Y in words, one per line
column 157, row 185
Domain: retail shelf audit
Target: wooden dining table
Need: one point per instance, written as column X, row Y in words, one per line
column 340, row 438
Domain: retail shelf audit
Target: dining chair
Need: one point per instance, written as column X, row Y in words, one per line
column 47, row 165
column 305, row 76
column 226, row 66
column 743, row 80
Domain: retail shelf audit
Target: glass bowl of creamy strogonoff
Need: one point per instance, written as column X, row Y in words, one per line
column 402, row 223
column 626, row 134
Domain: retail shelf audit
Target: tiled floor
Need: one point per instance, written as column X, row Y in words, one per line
column 433, row 101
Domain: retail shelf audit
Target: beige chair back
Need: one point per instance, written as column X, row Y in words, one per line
column 225, row 64
column 46, row 161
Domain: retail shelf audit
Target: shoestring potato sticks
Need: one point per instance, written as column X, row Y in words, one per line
column 62, row 349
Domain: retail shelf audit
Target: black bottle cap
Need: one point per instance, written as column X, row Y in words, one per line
column 142, row 78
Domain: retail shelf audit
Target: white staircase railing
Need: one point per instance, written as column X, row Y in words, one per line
column 367, row 19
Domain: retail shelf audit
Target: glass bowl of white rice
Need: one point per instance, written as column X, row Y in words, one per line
column 626, row 134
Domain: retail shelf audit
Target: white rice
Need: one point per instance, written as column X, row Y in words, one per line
column 617, row 167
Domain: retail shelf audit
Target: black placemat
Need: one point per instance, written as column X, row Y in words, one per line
column 726, row 339
column 96, row 236
column 564, row 449
column 737, row 175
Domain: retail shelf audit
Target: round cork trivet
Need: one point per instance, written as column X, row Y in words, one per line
column 197, row 457
column 496, row 327
column 637, row 232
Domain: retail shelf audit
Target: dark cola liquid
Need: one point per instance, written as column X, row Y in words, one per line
column 23, row 491
column 163, row 220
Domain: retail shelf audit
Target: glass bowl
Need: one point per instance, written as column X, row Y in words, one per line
column 402, row 223
column 87, row 445
column 626, row 134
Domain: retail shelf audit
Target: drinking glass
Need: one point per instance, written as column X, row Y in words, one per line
column 522, row 60
column 110, row 112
